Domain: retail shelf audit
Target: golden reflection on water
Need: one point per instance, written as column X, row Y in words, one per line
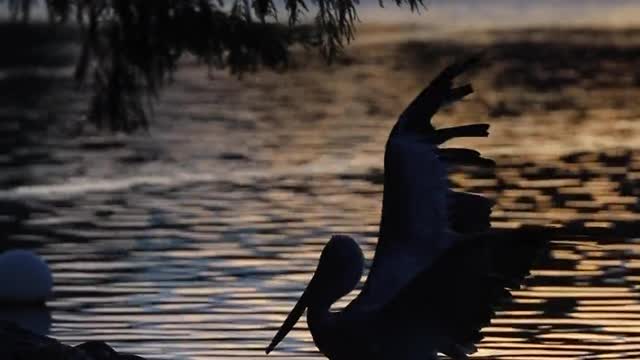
column 215, row 282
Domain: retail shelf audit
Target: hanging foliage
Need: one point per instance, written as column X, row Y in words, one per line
column 131, row 47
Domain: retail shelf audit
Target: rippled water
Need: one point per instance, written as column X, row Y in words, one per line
column 194, row 241
column 210, row 269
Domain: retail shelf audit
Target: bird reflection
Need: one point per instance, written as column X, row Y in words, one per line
column 439, row 270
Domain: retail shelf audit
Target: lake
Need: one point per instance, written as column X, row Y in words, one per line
column 194, row 240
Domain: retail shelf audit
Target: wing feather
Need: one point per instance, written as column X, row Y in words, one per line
column 441, row 136
column 439, row 271
column 464, row 157
column 468, row 212
column 460, row 293
column 414, row 227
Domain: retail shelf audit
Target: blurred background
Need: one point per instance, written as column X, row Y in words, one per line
column 192, row 239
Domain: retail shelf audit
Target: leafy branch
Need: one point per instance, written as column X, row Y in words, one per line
column 131, row 47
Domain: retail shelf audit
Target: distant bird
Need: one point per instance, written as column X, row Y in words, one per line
column 439, row 270
column 25, row 279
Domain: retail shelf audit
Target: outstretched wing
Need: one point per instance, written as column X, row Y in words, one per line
column 417, row 202
column 458, row 296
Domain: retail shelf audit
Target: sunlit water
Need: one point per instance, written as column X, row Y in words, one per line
column 193, row 242
column 508, row 13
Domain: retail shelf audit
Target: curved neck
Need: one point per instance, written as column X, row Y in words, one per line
column 322, row 325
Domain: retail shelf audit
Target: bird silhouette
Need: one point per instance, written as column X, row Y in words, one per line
column 439, row 269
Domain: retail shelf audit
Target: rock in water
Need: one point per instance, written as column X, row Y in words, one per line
column 19, row 344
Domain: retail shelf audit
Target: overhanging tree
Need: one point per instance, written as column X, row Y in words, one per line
column 131, row 47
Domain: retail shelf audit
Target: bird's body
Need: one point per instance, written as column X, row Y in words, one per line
column 439, row 270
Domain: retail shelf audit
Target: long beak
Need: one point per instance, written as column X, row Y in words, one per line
column 291, row 320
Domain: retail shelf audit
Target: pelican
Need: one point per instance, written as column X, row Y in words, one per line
column 25, row 278
column 439, row 270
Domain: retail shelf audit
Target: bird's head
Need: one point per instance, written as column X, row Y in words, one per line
column 339, row 271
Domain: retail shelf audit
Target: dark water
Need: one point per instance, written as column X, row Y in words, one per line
column 193, row 241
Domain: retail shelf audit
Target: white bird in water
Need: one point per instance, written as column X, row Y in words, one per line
column 439, row 270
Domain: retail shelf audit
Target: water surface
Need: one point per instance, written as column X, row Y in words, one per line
column 193, row 241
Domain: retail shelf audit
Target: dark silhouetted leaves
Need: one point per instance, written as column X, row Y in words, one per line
column 131, row 47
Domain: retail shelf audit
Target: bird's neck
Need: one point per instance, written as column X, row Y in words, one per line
column 319, row 317
column 322, row 325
